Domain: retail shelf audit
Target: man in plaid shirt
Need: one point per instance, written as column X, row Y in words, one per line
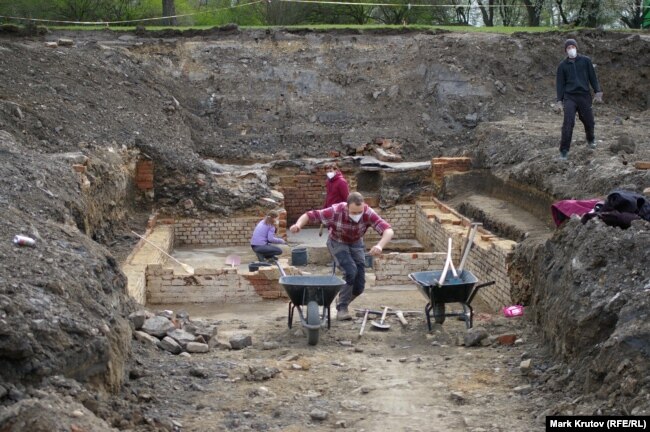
column 347, row 223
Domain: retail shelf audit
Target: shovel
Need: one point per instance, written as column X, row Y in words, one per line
column 363, row 324
column 186, row 267
column 381, row 325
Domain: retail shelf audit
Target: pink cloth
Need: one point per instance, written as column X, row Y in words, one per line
column 563, row 210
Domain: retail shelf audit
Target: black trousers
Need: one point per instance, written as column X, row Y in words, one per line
column 582, row 104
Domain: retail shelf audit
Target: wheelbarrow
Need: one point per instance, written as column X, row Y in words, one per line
column 460, row 289
column 313, row 291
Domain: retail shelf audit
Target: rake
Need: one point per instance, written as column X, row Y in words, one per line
column 186, row 267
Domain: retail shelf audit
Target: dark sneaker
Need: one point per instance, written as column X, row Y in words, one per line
column 591, row 144
column 343, row 315
column 564, row 155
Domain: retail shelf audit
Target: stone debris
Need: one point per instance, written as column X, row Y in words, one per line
column 266, row 345
column 169, row 344
column 174, row 333
column 196, row 347
column 507, row 339
column 458, row 397
column 261, row 373
column 475, row 336
column 158, row 326
column 238, row 342
column 137, row 319
column 523, row 389
column 318, row 414
column 145, row 337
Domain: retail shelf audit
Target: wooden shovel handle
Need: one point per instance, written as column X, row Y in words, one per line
column 383, row 316
column 363, row 324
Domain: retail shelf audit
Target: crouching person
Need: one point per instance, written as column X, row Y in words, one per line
column 264, row 240
column 347, row 223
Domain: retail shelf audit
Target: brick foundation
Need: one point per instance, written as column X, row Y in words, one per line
column 445, row 165
column 214, row 285
column 144, row 174
column 305, row 190
column 143, row 255
column 402, row 220
column 432, row 223
column 220, row 231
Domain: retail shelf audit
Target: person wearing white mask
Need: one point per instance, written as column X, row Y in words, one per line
column 336, row 188
column 574, row 75
column 347, row 222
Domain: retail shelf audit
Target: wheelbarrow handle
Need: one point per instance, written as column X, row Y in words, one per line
column 280, row 268
column 475, row 290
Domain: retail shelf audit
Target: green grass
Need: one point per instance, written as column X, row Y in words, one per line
column 326, row 27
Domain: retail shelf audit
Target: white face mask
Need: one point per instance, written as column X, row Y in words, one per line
column 356, row 217
column 330, row 174
column 572, row 52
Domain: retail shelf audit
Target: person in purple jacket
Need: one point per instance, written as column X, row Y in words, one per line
column 264, row 238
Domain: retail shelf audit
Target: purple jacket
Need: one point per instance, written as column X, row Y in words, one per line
column 264, row 234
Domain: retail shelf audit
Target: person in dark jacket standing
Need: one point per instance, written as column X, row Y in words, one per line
column 574, row 75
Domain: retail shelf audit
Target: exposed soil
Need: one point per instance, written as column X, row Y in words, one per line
column 66, row 347
column 404, row 378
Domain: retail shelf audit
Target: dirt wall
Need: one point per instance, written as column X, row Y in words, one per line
column 587, row 290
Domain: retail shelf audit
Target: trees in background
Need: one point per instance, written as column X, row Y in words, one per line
column 586, row 13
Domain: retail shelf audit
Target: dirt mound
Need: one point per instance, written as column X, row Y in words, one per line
column 589, row 295
column 63, row 299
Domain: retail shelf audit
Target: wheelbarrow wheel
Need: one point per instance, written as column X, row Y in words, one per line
column 313, row 318
column 439, row 312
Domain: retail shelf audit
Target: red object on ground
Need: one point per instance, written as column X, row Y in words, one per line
column 563, row 210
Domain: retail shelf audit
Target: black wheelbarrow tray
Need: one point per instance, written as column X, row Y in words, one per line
column 461, row 289
column 312, row 291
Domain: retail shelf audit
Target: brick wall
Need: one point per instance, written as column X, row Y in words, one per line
column 305, row 190
column 400, row 217
column 144, row 174
column 143, row 254
column 446, row 165
column 216, row 231
column 488, row 260
column 214, row 285
column 393, row 268
column 434, row 223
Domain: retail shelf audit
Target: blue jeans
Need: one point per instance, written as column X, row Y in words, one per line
column 351, row 258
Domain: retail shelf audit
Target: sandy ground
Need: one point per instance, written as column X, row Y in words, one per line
column 402, row 379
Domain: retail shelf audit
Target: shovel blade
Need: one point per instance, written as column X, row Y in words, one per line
column 379, row 325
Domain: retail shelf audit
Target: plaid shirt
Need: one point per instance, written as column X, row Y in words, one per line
column 342, row 228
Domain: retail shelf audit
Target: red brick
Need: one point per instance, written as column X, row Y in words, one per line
column 508, row 339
